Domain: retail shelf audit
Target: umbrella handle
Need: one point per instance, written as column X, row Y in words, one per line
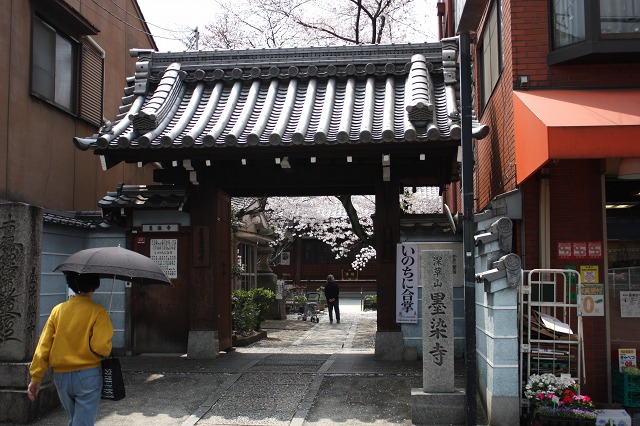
column 113, row 283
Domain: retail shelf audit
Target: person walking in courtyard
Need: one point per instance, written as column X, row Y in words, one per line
column 332, row 293
column 75, row 338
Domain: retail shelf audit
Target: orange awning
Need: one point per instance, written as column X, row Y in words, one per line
column 574, row 124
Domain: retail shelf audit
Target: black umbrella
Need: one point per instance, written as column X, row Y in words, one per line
column 115, row 262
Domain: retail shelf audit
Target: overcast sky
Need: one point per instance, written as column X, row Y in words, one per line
column 169, row 20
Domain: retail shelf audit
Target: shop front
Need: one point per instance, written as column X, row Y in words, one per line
column 576, row 153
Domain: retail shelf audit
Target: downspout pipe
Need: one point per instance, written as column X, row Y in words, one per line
column 468, row 243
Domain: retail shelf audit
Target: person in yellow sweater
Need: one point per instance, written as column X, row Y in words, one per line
column 74, row 340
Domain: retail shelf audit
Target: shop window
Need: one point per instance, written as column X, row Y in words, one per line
column 491, row 52
column 67, row 67
column 594, row 31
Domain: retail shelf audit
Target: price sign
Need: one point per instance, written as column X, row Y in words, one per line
column 592, row 300
column 626, row 358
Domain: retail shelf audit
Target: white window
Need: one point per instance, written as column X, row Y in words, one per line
column 568, row 22
column 620, row 18
column 577, row 21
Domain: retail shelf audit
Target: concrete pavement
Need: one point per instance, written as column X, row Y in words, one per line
column 302, row 374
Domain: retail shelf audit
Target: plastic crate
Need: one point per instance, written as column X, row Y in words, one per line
column 626, row 388
column 630, row 382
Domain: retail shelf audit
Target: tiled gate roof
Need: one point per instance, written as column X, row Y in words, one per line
column 286, row 97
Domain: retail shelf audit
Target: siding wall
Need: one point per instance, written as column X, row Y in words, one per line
column 39, row 164
column 57, row 244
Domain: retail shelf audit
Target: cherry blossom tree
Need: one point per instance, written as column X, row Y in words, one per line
column 286, row 23
column 344, row 223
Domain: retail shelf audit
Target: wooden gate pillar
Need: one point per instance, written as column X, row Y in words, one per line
column 210, row 296
column 389, row 342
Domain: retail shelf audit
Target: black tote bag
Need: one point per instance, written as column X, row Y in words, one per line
column 112, row 381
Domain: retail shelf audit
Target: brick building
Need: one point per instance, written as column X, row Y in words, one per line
column 557, row 83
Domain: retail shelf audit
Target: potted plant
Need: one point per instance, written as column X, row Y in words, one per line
column 299, row 302
column 557, row 401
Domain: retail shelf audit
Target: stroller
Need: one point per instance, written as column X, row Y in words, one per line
column 311, row 309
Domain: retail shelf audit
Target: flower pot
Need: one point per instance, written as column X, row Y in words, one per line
column 552, row 421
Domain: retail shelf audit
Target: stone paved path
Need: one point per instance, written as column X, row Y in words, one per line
column 302, row 374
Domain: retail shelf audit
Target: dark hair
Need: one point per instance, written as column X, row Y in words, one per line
column 82, row 283
column 330, row 278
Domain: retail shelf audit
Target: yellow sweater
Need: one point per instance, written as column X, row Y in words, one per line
column 76, row 335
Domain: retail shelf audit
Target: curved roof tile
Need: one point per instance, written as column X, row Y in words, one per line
column 58, row 219
column 144, row 197
column 312, row 96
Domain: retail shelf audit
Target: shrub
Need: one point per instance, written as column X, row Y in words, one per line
column 249, row 308
column 244, row 311
column 262, row 298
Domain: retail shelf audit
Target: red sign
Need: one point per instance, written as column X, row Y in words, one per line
column 594, row 249
column 564, row 250
column 140, row 240
column 579, row 250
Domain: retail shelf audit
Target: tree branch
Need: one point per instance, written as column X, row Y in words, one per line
column 355, row 220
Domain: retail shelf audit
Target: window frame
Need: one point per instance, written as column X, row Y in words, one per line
column 594, row 48
column 73, row 67
column 247, row 253
column 88, row 62
column 488, row 30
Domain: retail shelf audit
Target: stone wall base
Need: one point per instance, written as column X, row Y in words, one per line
column 203, row 344
column 410, row 353
column 389, row 346
column 246, row 341
column 438, row 408
column 502, row 410
column 16, row 407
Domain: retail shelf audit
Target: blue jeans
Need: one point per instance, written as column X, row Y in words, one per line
column 79, row 393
